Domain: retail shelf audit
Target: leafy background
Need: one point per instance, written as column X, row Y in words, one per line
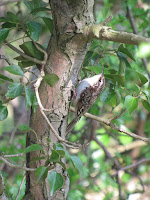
column 127, row 87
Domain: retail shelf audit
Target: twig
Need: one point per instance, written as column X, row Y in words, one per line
column 6, row 59
column 118, row 116
column 113, row 126
column 16, row 166
column 107, row 20
column 133, row 165
column 41, row 50
column 24, row 55
column 127, row 147
column 20, row 186
column 13, row 155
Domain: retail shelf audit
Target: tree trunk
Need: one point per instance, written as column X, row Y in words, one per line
column 66, row 51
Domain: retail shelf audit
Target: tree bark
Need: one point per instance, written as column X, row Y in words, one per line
column 66, row 51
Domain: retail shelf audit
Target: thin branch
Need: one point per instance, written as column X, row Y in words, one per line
column 113, row 126
column 20, row 187
column 107, row 20
column 13, row 155
column 127, row 147
column 16, row 166
column 6, row 59
column 106, row 33
column 8, row 2
column 118, row 116
column 24, row 55
column 133, row 165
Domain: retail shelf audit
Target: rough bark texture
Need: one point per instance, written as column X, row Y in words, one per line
column 66, row 52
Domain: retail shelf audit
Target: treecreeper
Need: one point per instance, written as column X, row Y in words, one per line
column 86, row 94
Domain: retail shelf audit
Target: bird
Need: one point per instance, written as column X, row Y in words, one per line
column 86, row 94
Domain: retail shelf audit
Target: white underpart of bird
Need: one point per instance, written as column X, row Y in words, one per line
column 86, row 93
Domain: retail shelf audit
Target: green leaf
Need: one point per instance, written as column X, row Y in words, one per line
column 3, row 112
column 58, row 146
column 146, row 93
column 14, row 90
column 37, row 159
column 62, row 164
column 8, row 25
column 51, row 79
column 77, row 163
column 3, row 19
column 41, row 173
column 34, row 30
column 5, row 78
column 27, row 63
column 124, row 50
column 48, row 23
column 14, row 69
column 31, row 5
column 131, row 103
column 61, row 153
column 12, row 17
column 54, row 156
column 56, row 182
column 112, row 99
column 29, row 96
column 146, row 105
column 33, row 147
column 24, row 128
column 123, row 57
column 35, row 104
column 31, row 50
column 36, row 10
column 3, row 34
column 142, row 78
column 116, row 78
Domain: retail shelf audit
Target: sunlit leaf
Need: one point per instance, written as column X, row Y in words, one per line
column 48, row 23
column 56, row 182
column 30, row 49
column 12, row 17
column 123, row 57
column 124, row 50
column 131, row 103
column 3, row 112
column 34, row 30
column 29, row 96
column 33, row 147
column 142, row 78
column 146, row 105
column 77, row 163
column 51, row 79
column 58, row 146
column 54, row 156
column 144, row 50
column 14, row 69
column 3, row 34
column 24, row 128
column 5, row 78
column 14, row 90
column 41, row 173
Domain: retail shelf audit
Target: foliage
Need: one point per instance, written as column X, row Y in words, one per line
column 127, row 86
